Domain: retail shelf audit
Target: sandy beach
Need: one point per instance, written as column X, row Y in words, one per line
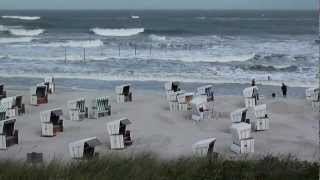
column 293, row 126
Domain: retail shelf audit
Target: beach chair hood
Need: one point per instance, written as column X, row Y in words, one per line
column 249, row 92
column 46, row 115
column 114, row 126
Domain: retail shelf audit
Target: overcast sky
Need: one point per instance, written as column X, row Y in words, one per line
column 158, row 4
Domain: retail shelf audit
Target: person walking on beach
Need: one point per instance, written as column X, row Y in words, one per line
column 284, row 89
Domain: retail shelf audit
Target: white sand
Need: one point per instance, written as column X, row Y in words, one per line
column 293, row 127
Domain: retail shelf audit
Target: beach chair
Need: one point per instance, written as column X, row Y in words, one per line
column 242, row 142
column 39, row 95
column 120, row 137
column 184, row 101
column 310, row 93
column 8, row 135
column 13, row 105
column 251, row 96
column 123, row 93
column 316, row 100
column 206, row 91
column 171, row 87
column 204, row 148
column 77, row 109
column 262, row 119
column 200, row 110
column 51, row 122
column 100, row 107
column 239, row 115
column 173, row 100
column 84, row 148
column 49, row 82
column 3, row 93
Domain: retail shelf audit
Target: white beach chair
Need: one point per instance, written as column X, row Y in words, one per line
column 77, row 109
column 123, row 93
column 120, row 137
column 184, row 101
column 241, row 137
column 262, row 119
column 173, row 100
column 200, row 110
column 171, row 87
column 206, row 91
column 39, row 95
column 84, row 148
column 251, row 96
column 13, row 106
column 51, row 122
column 8, row 134
column 239, row 115
column 100, row 107
column 204, row 148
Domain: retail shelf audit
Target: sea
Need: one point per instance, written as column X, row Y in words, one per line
column 193, row 46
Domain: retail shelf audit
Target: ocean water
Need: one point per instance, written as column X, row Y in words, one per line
column 190, row 46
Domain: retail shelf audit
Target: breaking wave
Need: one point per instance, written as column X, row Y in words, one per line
column 117, row 32
column 85, row 44
column 15, row 40
column 28, row 18
column 25, row 32
column 157, row 38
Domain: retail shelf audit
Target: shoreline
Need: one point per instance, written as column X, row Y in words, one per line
column 21, row 83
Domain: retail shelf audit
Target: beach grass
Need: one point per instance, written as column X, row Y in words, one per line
column 148, row 167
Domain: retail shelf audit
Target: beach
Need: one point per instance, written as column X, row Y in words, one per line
column 293, row 125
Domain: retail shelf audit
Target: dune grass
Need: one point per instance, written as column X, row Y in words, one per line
column 148, row 167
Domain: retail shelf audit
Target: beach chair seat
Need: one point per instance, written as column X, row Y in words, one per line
column 243, row 147
column 206, row 91
column 123, row 93
column 119, row 136
column 8, row 133
column 39, row 95
column 100, row 107
column 51, row 122
column 262, row 119
column 77, row 109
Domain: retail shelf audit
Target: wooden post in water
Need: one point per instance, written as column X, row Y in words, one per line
column 65, row 55
column 84, row 55
column 119, row 50
column 150, row 49
column 135, row 50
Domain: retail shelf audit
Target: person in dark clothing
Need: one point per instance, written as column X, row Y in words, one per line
column 253, row 82
column 284, row 89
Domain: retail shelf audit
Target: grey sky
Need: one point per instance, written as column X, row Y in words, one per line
column 158, row 4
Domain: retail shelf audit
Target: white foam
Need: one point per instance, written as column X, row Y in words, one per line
column 15, row 40
column 117, row 32
column 85, row 44
column 28, row 18
column 135, row 17
column 157, row 38
column 25, row 32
